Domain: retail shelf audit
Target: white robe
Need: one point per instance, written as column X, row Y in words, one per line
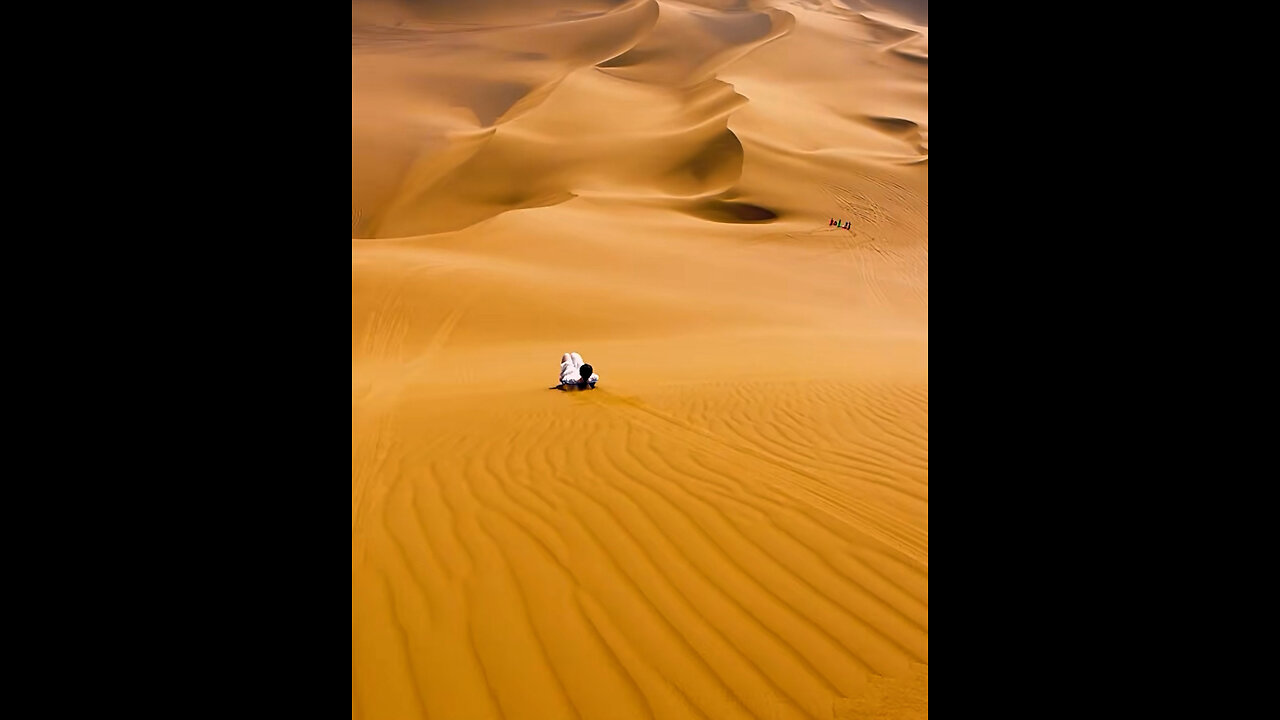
column 569, row 374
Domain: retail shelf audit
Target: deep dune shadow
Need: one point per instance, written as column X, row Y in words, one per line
column 894, row 125
column 723, row 211
column 915, row 56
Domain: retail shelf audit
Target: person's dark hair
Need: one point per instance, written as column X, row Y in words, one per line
column 585, row 371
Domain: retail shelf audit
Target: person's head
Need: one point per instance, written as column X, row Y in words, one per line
column 585, row 371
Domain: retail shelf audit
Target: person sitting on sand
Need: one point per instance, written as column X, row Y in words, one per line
column 575, row 374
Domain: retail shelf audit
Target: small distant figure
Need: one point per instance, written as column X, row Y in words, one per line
column 575, row 374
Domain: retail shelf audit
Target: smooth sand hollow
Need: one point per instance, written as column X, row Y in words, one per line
column 735, row 523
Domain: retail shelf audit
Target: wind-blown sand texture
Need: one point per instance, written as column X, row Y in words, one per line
column 735, row 523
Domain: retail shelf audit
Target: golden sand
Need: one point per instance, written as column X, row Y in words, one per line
column 734, row 524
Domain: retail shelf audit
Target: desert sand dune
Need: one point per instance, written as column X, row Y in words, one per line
column 734, row 524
